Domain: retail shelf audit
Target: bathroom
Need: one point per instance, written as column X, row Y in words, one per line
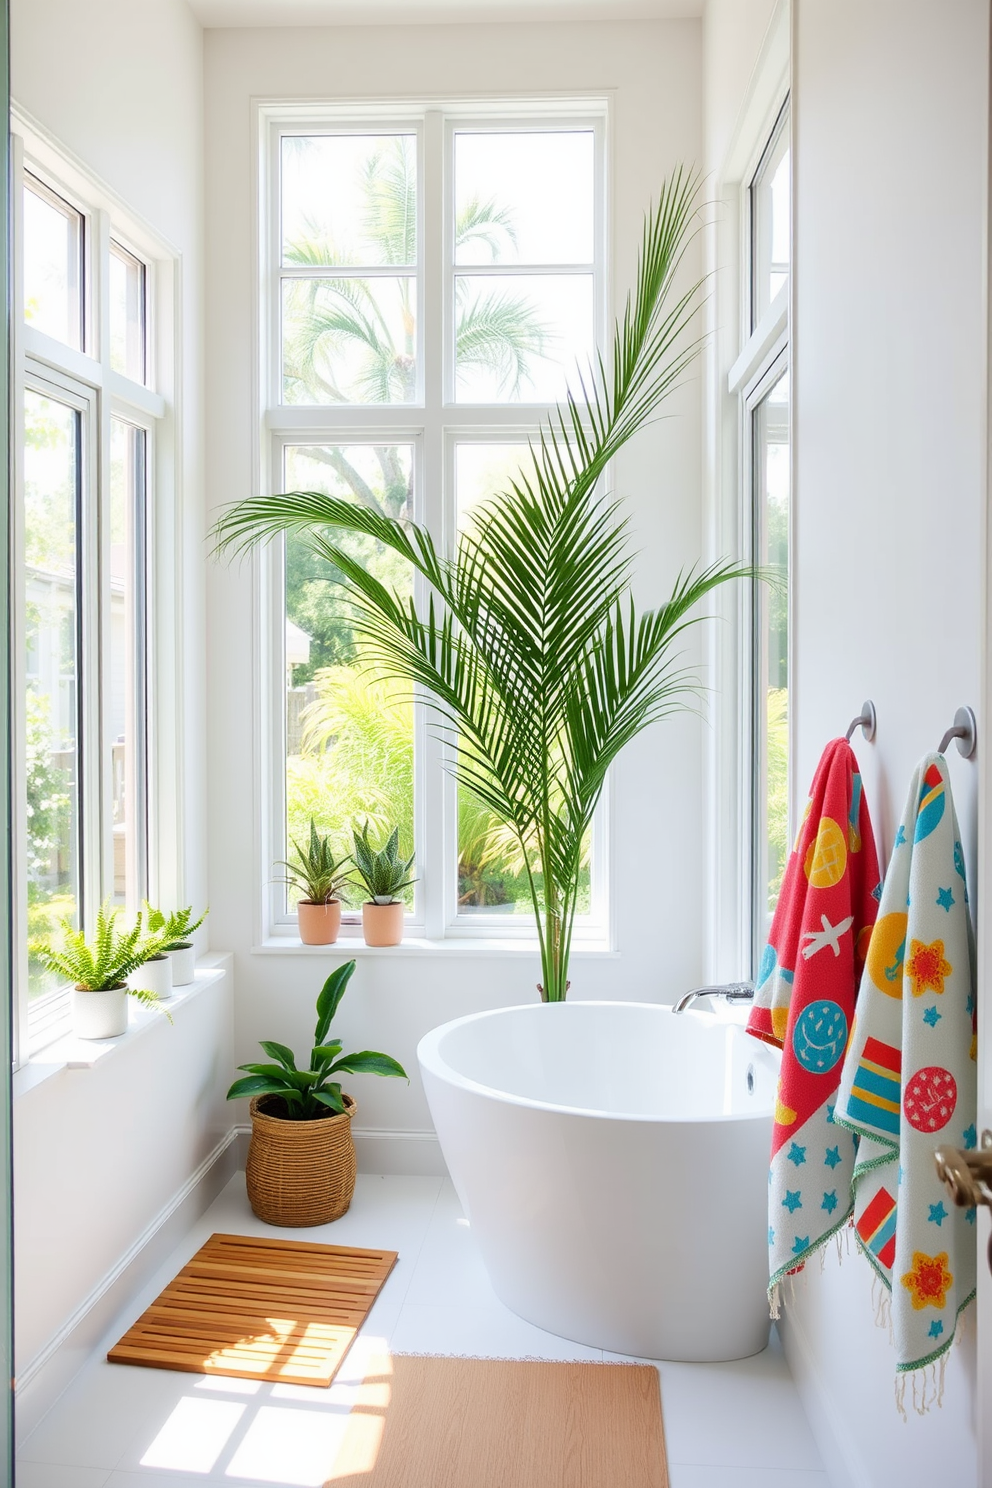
column 151, row 112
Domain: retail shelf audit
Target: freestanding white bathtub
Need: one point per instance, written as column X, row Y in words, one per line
column 612, row 1161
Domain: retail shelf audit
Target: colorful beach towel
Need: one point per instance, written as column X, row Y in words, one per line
column 804, row 1004
column 909, row 1079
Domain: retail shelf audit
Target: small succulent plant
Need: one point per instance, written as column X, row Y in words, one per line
column 319, row 877
column 382, row 870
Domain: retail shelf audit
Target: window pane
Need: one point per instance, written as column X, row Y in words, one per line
column 349, row 340
column 53, row 264
column 349, row 731
column 524, row 198
column 349, row 199
column 51, row 498
column 127, row 313
column 124, row 698
column 772, row 486
column 771, row 224
column 520, row 338
column 492, row 876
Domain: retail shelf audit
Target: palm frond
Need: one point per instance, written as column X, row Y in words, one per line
column 536, row 664
column 499, row 333
column 485, row 223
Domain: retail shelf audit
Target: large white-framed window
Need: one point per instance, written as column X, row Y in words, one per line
column 94, row 447
column 760, row 385
column 430, row 278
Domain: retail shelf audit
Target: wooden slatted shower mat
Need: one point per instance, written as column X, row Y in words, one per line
column 284, row 1310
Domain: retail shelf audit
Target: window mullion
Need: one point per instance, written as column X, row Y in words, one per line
column 18, row 667
column 96, row 658
column 437, row 845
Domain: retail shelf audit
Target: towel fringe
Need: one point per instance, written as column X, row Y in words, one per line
column 900, row 1393
column 927, row 1385
column 775, row 1302
column 881, row 1301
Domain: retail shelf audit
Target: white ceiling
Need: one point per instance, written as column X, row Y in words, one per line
column 426, row 12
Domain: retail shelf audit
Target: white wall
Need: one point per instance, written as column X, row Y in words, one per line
column 891, row 168
column 652, row 70
column 100, row 1153
column 102, row 1156
column 890, row 121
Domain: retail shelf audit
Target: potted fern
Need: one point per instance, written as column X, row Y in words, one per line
column 104, row 970
column 319, row 878
column 301, row 1158
column 384, row 874
column 177, row 930
column 528, row 642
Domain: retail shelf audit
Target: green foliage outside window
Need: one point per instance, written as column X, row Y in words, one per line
column 355, row 761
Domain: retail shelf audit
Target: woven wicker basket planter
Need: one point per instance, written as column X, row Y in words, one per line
column 300, row 1172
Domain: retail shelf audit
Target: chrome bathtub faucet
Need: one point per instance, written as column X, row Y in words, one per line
column 732, row 991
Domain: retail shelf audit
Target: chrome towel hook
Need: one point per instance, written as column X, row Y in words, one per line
column 865, row 721
column 965, row 730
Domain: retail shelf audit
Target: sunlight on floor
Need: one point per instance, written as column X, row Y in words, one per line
column 286, row 1445
column 194, row 1435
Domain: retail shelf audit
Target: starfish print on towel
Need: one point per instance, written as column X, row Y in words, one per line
column 829, row 936
column 927, row 967
column 929, row 1280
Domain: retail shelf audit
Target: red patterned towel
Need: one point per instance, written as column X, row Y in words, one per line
column 804, row 1004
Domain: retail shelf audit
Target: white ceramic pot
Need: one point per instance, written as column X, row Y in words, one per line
column 183, row 960
column 154, row 976
column 99, row 1015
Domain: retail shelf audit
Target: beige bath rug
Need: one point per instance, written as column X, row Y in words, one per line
column 503, row 1423
column 284, row 1310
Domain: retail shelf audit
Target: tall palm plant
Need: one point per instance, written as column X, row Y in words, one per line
column 539, row 667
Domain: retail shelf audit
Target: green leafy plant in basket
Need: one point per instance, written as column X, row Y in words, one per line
column 310, row 1093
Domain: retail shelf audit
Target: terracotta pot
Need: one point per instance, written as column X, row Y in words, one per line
column 154, row 976
column 99, row 1015
column 382, row 924
column 299, row 1172
column 319, row 923
column 183, row 960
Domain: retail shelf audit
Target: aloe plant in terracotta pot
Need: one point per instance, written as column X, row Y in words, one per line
column 319, row 877
column 301, row 1160
column 384, row 874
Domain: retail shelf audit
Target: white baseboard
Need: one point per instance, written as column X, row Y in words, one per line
column 415, row 1154
column 411, row 1154
column 52, row 1369
column 843, row 1462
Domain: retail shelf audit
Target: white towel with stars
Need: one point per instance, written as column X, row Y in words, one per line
column 909, row 1080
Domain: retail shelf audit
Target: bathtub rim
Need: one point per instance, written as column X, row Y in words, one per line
column 430, row 1060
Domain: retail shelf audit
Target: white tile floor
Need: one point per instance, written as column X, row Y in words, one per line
column 734, row 1425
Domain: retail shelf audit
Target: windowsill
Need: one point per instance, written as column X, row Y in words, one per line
column 418, row 945
column 72, row 1053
